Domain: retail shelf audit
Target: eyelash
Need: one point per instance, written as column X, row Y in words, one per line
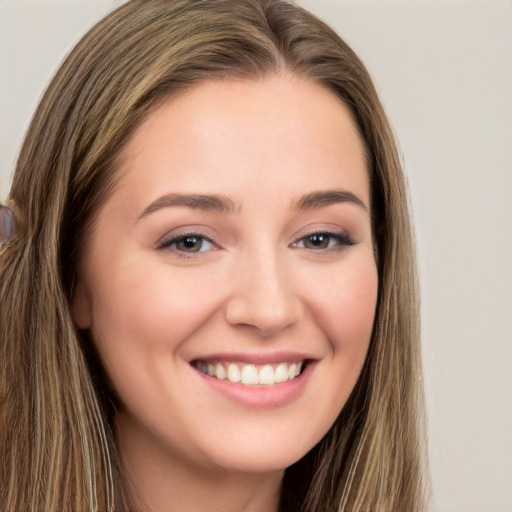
column 167, row 243
column 341, row 240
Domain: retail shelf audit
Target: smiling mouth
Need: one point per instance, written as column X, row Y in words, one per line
column 251, row 374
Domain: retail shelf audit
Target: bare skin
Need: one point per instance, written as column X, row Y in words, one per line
column 211, row 489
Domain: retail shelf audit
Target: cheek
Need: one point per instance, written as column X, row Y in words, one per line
column 154, row 307
column 344, row 309
column 142, row 319
column 347, row 306
column 347, row 313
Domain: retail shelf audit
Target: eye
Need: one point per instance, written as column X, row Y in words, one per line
column 323, row 241
column 192, row 243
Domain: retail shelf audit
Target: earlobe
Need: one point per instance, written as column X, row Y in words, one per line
column 81, row 306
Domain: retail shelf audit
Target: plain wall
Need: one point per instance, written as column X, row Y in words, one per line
column 444, row 72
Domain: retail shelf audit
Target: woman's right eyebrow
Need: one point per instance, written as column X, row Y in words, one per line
column 206, row 202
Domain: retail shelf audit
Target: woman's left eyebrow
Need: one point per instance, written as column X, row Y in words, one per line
column 321, row 199
column 206, row 202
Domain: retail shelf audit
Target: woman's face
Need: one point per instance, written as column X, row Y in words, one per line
column 237, row 245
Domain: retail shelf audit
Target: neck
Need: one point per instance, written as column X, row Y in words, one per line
column 157, row 480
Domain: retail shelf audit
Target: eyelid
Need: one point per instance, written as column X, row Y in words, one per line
column 339, row 235
column 169, row 239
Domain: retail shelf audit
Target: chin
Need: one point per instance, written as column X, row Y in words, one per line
column 268, row 453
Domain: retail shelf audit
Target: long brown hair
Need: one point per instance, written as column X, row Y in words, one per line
column 57, row 450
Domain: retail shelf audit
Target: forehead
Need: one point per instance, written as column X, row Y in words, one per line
column 222, row 131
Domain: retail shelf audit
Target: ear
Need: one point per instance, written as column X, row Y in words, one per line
column 81, row 305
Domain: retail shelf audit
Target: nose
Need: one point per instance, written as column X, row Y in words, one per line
column 264, row 297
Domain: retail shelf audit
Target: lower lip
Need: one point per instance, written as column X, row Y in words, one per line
column 265, row 397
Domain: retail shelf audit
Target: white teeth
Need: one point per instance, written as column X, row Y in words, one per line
column 233, row 373
column 267, row 375
column 220, row 372
column 281, row 373
column 250, row 374
column 294, row 370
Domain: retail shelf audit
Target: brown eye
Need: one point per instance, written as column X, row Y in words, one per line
column 317, row 241
column 324, row 241
column 189, row 243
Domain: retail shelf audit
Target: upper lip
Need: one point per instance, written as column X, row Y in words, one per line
column 256, row 357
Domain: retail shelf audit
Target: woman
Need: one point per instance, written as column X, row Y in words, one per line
column 211, row 295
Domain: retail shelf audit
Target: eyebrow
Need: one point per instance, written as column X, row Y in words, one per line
column 321, row 199
column 206, row 202
column 222, row 204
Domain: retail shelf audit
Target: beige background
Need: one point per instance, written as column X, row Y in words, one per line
column 444, row 70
